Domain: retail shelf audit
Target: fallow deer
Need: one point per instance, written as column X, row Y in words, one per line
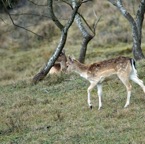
column 123, row 67
column 60, row 64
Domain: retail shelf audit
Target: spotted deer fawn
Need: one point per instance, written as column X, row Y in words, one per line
column 60, row 64
column 95, row 73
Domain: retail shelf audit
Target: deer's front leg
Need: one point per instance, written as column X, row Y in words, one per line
column 92, row 85
column 99, row 86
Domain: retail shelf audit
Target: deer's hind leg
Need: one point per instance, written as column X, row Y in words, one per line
column 125, row 81
column 135, row 78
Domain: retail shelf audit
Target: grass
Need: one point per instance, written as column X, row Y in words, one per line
column 56, row 111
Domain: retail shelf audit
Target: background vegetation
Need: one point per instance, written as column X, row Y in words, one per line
column 55, row 110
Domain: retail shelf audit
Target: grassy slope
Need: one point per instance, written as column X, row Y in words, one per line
column 56, row 110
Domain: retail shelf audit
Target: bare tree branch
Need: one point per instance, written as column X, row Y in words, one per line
column 137, row 51
column 29, row 14
column 43, row 72
column 85, row 1
column 19, row 25
column 140, row 18
column 86, row 34
column 113, row 2
column 36, row 3
column 53, row 17
column 87, row 31
column 33, row 14
column 2, row 20
column 80, row 16
column 24, row 28
column 96, row 22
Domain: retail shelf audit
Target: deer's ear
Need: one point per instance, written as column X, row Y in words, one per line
column 63, row 51
column 70, row 59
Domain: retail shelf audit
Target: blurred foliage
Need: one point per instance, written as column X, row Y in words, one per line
column 111, row 29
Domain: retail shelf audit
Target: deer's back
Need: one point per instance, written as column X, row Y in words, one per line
column 109, row 66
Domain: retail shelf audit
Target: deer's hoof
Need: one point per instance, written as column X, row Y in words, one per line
column 91, row 107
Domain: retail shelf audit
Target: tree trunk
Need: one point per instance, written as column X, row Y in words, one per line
column 52, row 15
column 86, row 35
column 137, row 51
column 83, row 49
column 41, row 75
column 140, row 18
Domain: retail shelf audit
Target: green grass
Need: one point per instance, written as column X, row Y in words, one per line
column 47, row 113
column 56, row 111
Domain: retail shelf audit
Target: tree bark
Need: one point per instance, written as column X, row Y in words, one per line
column 83, row 49
column 137, row 51
column 86, row 35
column 41, row 75
column 140, row 18
column 52, row 15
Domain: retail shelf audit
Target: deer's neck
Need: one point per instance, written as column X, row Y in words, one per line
column 63, row 66
column 81, row 69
